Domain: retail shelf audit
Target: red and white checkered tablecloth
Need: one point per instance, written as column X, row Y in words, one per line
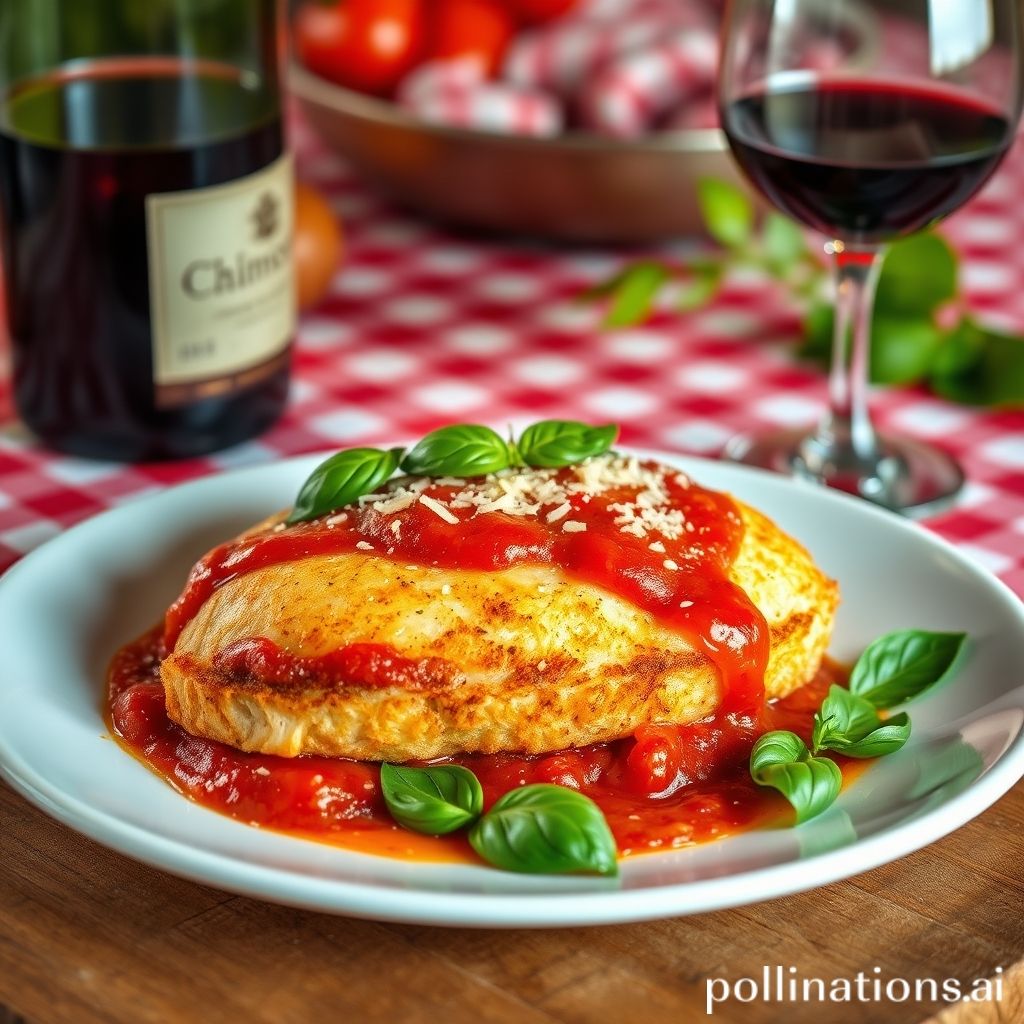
column 424, row 326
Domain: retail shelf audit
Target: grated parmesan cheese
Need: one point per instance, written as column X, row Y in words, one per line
column 644, row 508
column 363, row 545
column 559, row 513
column 438, row 509
column 402, row 500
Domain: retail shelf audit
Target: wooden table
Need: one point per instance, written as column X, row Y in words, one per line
column 87, row 935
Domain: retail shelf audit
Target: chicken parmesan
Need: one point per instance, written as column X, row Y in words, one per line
column 524, row 612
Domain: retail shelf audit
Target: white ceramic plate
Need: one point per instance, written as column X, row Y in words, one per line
column 66, row 607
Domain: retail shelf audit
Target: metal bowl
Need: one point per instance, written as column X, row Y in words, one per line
column 575, row 187
column 571, row 188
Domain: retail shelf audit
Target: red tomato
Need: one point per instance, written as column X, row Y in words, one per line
column 319, row 35
column 709, row 748
column 138, row 712
column 471, row 28
column 367, row 45
column 538, row 12
column 653, row 763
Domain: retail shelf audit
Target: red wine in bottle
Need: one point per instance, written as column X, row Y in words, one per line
column 146, row 208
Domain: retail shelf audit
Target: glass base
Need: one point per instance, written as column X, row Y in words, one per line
column 909, row 477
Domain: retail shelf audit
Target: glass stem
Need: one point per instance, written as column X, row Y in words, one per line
column 845, row 440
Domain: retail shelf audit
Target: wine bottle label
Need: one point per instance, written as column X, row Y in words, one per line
column 221, row 284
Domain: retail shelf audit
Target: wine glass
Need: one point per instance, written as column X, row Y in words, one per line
column 865, row 151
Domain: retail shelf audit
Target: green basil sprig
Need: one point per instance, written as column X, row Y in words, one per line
column 342, row 479
column 899, row 666
column 893, row 669
column 541, row 829
column 464, row 449
column 461, row 450
column 555, row 443
column 435, row 800
column 545, row 829
column 851, row 725
column 781, row 760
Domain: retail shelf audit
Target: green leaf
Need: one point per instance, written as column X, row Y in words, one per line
column 899, row 666
column 727, row 211
column 918, row 275
column 886, row 739
column 782, row 761
column 545, row 829
column 817, row 339
column 903, row 349
column 961, row 350
column 783, row 242
column 980, row 367
column 464, row 449
column 700, row 289
column 778, row 747
column 434, row 800
column 634, row 293
column 554, row 443
column 342, row 479
column 842, row 714
column 850, row 725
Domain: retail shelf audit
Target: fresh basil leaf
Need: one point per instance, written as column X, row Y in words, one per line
column 545, row 829
column 817, row 337
column 850, row 725
column 842, row 716
column 342, row 479
column 782, row 761
column 887, row 738
column 700, row 289
column 554, row 443
column 634, row 293
column 978, row 366
column 782, row 241
column 434, row 800
column 727, row 211
column 899, row 666
column 903, row 349
column 778, row 747
column 918, row 275
column 464, row 449
column 961, row 349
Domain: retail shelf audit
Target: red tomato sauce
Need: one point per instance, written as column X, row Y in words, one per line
column 667, row 787
column 259, row 658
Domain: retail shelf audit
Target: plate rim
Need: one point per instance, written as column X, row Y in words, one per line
column 607, row 905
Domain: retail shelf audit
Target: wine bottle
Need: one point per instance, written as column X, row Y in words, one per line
column 146, row 204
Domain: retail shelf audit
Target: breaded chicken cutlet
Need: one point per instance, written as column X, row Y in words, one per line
column 529, row 611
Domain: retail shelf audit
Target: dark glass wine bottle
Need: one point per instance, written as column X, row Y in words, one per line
column 146, row 203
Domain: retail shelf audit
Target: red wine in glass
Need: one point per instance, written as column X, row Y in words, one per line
column 866, row 161
column 918, row 106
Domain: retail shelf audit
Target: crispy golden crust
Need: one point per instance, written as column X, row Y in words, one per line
column 548, row 662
